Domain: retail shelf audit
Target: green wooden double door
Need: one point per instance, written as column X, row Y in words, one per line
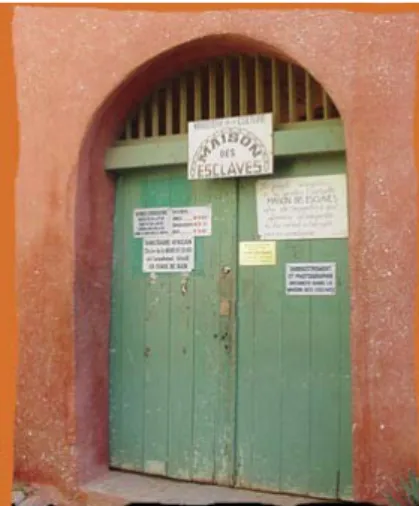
column 220, row 377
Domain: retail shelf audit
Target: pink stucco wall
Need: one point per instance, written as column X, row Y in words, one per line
column 78, row 71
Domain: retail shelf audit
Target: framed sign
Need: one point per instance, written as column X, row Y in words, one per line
column 230, row 147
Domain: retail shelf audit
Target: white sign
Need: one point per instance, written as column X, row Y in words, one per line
column 167, row 221
column 312, row 207
column 230, row 147
column 168, row 254
column 152, row 221
column 194, row 221
column 310, row 278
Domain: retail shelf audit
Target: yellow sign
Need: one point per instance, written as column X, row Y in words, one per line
column 257, row 253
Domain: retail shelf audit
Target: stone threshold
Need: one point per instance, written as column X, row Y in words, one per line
column 116, row 488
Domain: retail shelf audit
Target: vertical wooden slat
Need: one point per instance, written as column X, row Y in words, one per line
column 169, row 108
column 227, row 86
column 197, row 80
column 243, row 85
column 141, row 122
column 326, row 104
column 291, row 93
column 212, row 90
column 276, row 92
column 128, row 129
column 259, row 96
column 308, row 97
column 155, row 114
column 183, row 106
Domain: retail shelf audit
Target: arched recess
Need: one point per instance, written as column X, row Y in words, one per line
column 233, row 85
column 304, row 105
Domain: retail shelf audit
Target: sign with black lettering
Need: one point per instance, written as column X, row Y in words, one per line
column 310, row 278
column 151, row 221
column 168, row 254
column 167, row 221
column 313, row 207
column 230, row 147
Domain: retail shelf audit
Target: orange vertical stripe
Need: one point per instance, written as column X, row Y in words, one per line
column 416, row 149
column 8, row 325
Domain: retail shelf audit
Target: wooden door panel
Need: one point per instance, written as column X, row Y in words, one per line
column 293, row 411
column 169, row 380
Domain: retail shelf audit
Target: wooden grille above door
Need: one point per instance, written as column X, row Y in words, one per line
column 230, row 86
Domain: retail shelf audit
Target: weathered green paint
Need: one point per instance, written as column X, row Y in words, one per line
column 293, row 387
column 272, row 411
column 171, row 411
column 310, row 137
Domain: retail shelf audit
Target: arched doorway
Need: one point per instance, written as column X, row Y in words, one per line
column 226, row 374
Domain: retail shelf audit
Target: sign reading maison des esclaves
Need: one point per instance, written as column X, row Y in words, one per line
column 230, row 147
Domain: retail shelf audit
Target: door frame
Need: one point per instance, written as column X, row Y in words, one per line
column 289, row 140
column 305, row 138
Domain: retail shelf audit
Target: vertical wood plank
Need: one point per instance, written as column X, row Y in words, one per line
column 276, row 92
column 212, row 90
column 206, row 366
column 141, row 122
column 155, row 114
column 128, row 129
column 213, row 387
column 183, row 106
column 292, row 105
column 308, row 96
column 169, row 108
column 325, row 377
column 197, row 94
column 126, row 352
column 243, row 85
column 181, row 361
column 227, row 86
column 259, row 91
column 295, row 377
column 259, row 345
column 157, row 324
column 224, row 443
column 117, row 445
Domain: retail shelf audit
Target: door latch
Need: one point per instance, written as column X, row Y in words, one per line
column 184, row 285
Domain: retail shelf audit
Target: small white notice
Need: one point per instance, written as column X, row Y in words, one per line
column 168, row 254
column 167, row 221
column 194, row 221
column 151, row 221
column 310, row 278
column 239, row 146
column 313, row 207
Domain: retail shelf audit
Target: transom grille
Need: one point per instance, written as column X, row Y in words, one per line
column 230, row 86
